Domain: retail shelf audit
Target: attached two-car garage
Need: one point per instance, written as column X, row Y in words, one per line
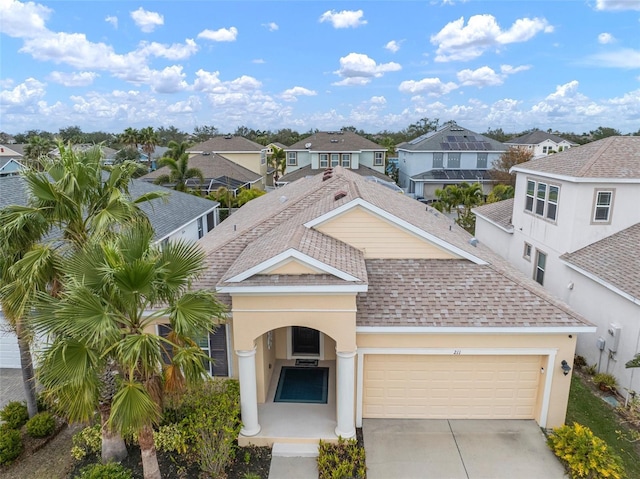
column 452, row 386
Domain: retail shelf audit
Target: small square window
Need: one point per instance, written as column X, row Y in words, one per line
column 378, row 159
column 335, row 159
column 292, row 158
column 527, row 252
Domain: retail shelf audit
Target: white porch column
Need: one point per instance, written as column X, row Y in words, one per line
column 345, row 394
column 248, row 392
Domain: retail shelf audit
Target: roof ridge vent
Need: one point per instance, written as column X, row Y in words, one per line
column 328, row 173
column 339, row 195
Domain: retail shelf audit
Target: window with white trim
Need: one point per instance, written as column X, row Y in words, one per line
column 542, row 199
column 602, row 207
column 346, row 160
column 453, row 160
column 527, row 252
column 541, row 265
column 263, row 157
column 324, row 160
column 378, row 159
column 335, row 159
column 214, row 345
column 292, row 158
column 438, row 160
column 481, row 161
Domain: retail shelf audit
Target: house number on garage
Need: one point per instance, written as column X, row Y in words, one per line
column 457, row 352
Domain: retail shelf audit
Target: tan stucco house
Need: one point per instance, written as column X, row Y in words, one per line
column 409, row 316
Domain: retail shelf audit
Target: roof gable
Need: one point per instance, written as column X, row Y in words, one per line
column 452, row 137
column 227, row 143
column 335, row 141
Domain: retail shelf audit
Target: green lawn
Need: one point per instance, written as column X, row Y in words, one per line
column 589, row 410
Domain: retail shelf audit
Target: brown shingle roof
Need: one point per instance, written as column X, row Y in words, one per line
column 291, row 206
column 499, row 213
column 457, row 293
column 227, row 143
column 613, row 157
column 613, row 259
column 335, row 141
column 212, row 166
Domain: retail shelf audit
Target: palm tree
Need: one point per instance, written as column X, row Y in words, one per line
column 102, row 317
column 148, row 140
column 71, row 200
column 177, row 160
column 277, row 161
column 460, row 198
column 130, row 138
column 36, row 148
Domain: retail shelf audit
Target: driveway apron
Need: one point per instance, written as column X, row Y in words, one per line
column 457, row 449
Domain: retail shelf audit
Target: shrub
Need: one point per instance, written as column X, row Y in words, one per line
column 212, row 413
column 591, row 370
column 41, row 425
column 579, row 362
column 172, row 438
column 584, row 454
column 344, row 460
column 10, row 444
column 111, row 470
column 87, row 441
column 606, row 381
column 15, row 414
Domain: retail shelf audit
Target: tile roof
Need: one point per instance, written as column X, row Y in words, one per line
column 612, row 157
column 266, row 219
column 613, row 259
column 499, row 213
column 228, row 143
column 307, row 171
column 342, row 141
column 535, row 137
column 438, row 141
column 455, row 293
column 212, row 166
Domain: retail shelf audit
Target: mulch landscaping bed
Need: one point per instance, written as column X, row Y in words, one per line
column 256, row 460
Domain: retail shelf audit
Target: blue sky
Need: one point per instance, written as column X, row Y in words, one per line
column 375, row 65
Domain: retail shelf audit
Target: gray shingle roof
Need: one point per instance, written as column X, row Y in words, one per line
column 499, row 213
column 436, row 141
column 261, row 223
column 228, row 143
column 307, row 171
column 535, row 137
column 343, row 141
column 614, row 259
column 613, row 157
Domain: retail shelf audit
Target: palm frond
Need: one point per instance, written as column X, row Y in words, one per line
column 195, row 313
column 132, row 408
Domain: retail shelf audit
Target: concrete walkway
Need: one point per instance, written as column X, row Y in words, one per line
column 294, row 461
column 458, row 449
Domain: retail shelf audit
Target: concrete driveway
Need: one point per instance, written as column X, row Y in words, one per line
column 457, row 449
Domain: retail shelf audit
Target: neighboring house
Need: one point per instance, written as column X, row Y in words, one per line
column 574, row 226
column 540, row 143
column 448, row 156
column 179, row 216
column 107, row 153
column 326, row 149
column 244, row 152
column 217, row 171
column 10, row 160
column 402, row 312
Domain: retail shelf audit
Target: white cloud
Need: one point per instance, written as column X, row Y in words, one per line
column 378, row 100
column 428, row 86
column 24, row 94
column 483, row 76
column 147, row 21
column 177, row 51
column 23, row 20
column 359, row 69
column 192, row 105
column 618, row 5
column 625, row 58
column 113, row 21
column 292, row 94
column 169, row 80
column 210, row 82
column 73, row 78
column 510, row 70
column 605, row 38
column 393, row 46
column 271, row 26
column 259, row 61
column 567, row 101
column 221, row 35
column 343, row 19
column 457, row 41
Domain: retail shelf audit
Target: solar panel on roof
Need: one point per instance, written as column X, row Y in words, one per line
column 445, row 146
column 451, row 138
column 471, row 138
column 487, row 145
column 438, row 174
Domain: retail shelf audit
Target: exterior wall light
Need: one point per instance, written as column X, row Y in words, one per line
column 565, row 367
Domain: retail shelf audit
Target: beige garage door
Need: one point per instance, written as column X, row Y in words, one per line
column 450, row 387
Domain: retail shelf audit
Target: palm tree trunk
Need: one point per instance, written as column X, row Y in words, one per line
column 28, row 376
column 150, row 467
column 113, row 447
